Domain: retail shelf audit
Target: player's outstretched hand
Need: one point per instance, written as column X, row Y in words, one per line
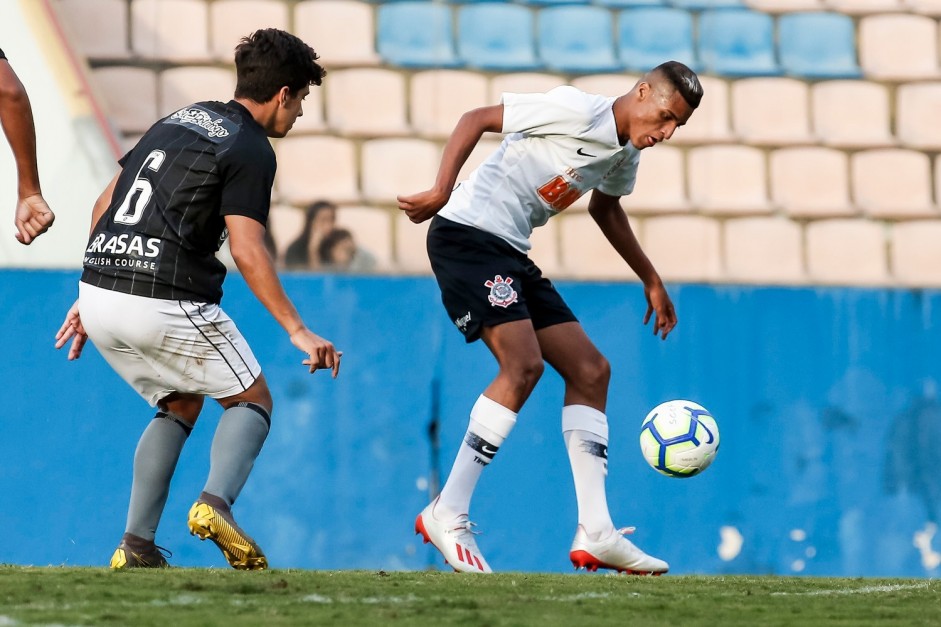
column 423, row 205
column 660, row 305
column 321, row 353
column 72, row 329
column 33, row 218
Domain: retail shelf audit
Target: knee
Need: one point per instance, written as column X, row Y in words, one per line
column 527, row 372
column 594, row 373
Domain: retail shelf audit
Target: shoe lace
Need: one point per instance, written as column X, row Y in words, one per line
column 464, row 525
column 167, row 553
column 626, row 531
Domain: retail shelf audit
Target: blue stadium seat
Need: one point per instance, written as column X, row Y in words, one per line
column 818, row 45
column 629, row 4
column 702, row 5
column 648, row 37
column 549, row 3
column 737, row 42
column 497, row 36
column 577, row 39
column 416, row 34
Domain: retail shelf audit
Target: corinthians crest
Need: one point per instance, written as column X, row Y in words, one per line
column 502, row 293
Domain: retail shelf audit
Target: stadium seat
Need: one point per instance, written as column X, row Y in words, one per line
column 737, row 42
column 411, row 256
column 648, row 37
column 727, row 180
column 98, row 28
column 786, row 6
column 710, row 122
column 846, row 251
column 130, row 96
column 549, row 3
column 851, row 114
column 763, row 250
column 497, row 36
column 811, row 182
column 892, row 183
column 230, row 20
column 545, row 251
column 585, row 252
column 881, row 56
column 523, row 83
column 817, row 45
column 341, row 31
column 629, row 4
column 440, row 97
column 352, row 96
column 683, row 248
column 611, row 85
column 702, row 5
column 925, row 7
column 311, row 168
column 771, row 111
column 285, row 223
column 915, row 253
column 170, row 30
column 916, row 103
column 416, row 34
column 576, row 39
column 372, row 230
column 661, row 183
column 862, row 7
column 398, row 166
column 184, row 85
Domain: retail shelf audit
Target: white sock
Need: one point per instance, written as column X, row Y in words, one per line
column 586, row 437
column 490, row 424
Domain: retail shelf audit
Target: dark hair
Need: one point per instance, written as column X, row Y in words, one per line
column 270, row 59
column 297, row 252
column 683, row 79
column 329, row 242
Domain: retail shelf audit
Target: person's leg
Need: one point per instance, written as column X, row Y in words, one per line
column 586, row 372
column 243, row 428
column 494, row 414
column 584, row 425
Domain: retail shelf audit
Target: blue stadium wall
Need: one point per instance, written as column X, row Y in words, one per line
column 826, row 401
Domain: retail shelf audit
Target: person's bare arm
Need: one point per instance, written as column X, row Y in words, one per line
column 33, row 216
column 247, row 244
column 472, row 125
column 607, row 212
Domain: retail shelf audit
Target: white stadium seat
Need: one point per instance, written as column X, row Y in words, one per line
column 372, row 230
column 183, row 85
column 683, row 248
column 585, row 252
column 170, row 30
column 811, row 182
column 130, row 96
column 343, row 32
column 883, row 55
column 846, row 252
column 763, row 250
column 98, row 28
column 440, row 97
column 230, row 20
column 771, row 111
column 916, row 255
column 353, row 97
column 892, row 183
column 727, row 179
column 391, row 167
column 851, row 114
column 916, row 103
column 312, row 168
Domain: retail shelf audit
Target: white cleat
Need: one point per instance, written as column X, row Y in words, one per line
column 454, row 538
column 615, row 552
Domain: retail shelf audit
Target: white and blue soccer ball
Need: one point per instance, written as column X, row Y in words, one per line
column 679, row 438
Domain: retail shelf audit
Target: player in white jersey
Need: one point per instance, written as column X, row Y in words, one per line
column 559, row 145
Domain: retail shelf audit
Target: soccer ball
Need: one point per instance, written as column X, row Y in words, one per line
column 679, row 438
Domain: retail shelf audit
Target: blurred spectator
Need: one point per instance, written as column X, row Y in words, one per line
column 303, row 253
column 338, row 251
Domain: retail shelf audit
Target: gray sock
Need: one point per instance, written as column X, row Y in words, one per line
column 154, row 462
column 241, row 433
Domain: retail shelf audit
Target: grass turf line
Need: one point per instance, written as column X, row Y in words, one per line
column 183, row 597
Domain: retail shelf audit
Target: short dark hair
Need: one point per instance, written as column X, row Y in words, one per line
column 683, row 79
column 270, row 59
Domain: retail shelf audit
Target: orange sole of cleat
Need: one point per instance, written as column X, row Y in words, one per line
column 584, row 559
column 420, row 528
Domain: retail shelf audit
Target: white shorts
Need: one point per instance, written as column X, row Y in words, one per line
column 163, row 346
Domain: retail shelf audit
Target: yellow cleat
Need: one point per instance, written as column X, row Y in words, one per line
column 124, row 557
column 215, row 523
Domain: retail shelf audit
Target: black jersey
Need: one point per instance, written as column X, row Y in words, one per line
column 165, row 223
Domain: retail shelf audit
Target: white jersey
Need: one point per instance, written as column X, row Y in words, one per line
column 560, row 145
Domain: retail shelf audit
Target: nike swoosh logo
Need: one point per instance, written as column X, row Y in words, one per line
column 584, row 154
column 488, row 451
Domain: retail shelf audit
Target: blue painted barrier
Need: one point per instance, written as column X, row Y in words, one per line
column 826, row 400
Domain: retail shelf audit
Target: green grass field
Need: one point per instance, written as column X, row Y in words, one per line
column 181, row 597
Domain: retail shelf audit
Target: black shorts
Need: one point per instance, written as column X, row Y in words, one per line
column 485, row 282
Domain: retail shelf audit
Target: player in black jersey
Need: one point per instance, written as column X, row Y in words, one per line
column 149, row 295
column 33, row 215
